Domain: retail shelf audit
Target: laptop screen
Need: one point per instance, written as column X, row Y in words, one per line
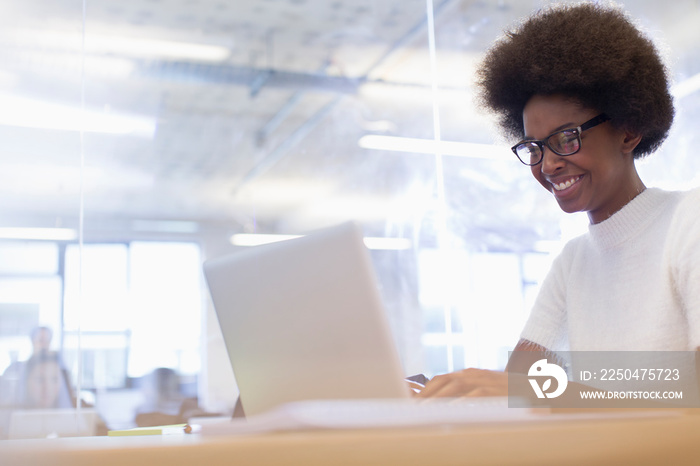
column 302, row 319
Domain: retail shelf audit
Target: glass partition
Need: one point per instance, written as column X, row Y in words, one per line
column 139, row 138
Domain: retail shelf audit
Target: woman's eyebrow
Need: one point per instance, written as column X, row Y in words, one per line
column 568, row 125
column 558, row 128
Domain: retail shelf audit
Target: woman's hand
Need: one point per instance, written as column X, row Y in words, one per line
column 467, row 382
column 482, row 382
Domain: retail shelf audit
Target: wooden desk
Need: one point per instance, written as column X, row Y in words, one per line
column 668, row 440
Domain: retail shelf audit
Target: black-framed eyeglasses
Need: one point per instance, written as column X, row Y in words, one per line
column 564, row 142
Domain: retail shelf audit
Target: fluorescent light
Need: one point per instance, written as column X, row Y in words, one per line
column 395, row 244
column 165, row 226
column 122, row 45
column 155, row 48
column 48, row 234
column 431, row 146
column 377, row 243
column 29, row 113
column 686, row 87
column 253, row 239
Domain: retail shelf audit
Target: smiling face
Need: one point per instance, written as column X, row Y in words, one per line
column 601, row 177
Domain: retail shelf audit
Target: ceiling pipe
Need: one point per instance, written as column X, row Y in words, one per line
column 338, row 84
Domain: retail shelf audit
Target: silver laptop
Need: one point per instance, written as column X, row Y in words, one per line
column 302, row 319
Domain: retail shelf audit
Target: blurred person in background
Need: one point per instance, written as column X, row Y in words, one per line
column 44, row 384
column 14, row 377
column 40, row 337
column 161, row 392
column 164, row 402
column 41, row 340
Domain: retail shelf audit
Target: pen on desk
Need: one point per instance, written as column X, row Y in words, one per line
column 193, row 428
column 155, row 430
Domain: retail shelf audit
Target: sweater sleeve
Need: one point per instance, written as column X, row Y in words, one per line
column 546, row 325
column 684, row 258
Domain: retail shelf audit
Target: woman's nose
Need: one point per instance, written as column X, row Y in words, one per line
column 551, row 162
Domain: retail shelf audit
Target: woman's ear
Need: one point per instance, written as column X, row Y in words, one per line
column 630, row 141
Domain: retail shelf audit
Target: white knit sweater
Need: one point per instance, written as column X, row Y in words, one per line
column 631, row 283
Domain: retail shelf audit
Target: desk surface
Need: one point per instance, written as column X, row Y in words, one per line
column 662, row 440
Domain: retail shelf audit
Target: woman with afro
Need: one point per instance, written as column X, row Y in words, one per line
column 586, row 94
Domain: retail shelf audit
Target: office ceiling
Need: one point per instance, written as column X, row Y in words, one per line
column 246, row 115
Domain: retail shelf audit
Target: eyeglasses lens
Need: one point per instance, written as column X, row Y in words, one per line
column 529, row 153
column 564, row 142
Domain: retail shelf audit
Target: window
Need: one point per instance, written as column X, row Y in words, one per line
column 140, row 309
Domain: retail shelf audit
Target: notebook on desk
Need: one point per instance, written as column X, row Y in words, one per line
column 302, row 319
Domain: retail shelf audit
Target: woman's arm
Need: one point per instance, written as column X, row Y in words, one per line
column 524, row 355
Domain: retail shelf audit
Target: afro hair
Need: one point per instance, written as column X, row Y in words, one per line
column 589, row 52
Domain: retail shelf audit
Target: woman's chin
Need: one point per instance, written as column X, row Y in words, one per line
column 569, row 207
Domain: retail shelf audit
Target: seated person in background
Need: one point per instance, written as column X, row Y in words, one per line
column 587, row 94
column 19, row 388
column 164, row 402
column 161, row 398
column 44, row 383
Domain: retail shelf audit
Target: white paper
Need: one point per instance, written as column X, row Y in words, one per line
column 364, row 414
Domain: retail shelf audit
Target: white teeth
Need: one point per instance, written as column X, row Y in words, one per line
column 567, row 184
